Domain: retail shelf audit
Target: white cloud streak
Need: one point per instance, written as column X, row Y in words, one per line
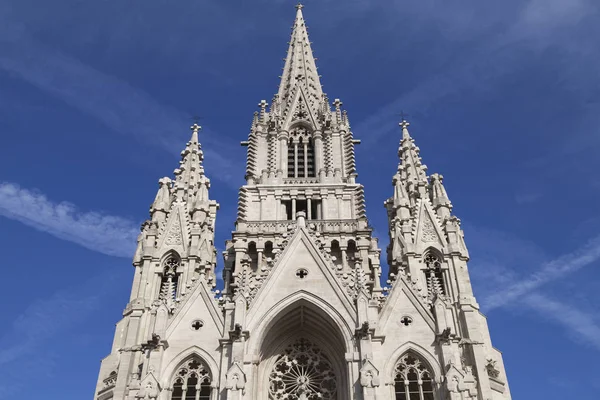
column 537, row 25
column 549, row 272
column 577, row 322
column 118, row 105
column 111, row 235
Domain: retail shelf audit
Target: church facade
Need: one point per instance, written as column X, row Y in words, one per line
column 302, row 314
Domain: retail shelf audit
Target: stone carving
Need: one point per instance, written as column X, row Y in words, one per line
column 236, row 378
column 363, row 331
column 369, row 375
column 110, row 380
column 428, row 232
column 491, row 368
column 302, row 372
column 174, row 236
column 149, row 391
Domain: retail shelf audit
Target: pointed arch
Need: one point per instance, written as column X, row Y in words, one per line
column 413, row 379
column 170, row 269
column 435, row 250
column 193, row 352
column 291, row 330
column 419, row 351
column 435, row 276
column 331, row 315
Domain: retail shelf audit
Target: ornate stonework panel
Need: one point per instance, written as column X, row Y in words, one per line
column 428, row 233
column 302, row 372
column 174, row 236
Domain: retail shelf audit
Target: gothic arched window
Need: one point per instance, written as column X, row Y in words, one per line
column 434, row 274
column 413, row 379
column 170, row 277
column 303, row 371
column 336, row 253
column 301, row 158
column 351, row 252
column 192, row 381
column 253, row 255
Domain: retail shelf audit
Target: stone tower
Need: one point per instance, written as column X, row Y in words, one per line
column 302, row 314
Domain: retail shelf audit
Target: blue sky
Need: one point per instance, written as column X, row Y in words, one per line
column 95, row 103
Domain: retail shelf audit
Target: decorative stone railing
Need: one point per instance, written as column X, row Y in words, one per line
column 323, row 226
column 300, row 181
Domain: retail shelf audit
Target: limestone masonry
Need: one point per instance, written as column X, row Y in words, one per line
column 302, row 314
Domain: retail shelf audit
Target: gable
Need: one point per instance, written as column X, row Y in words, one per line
column 197, row 305
column 301, row 268
column 299, row 109
column 403, row 301
column 428, row 230
column 175, row 236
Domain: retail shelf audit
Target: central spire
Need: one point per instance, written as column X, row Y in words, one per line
column 300, row 70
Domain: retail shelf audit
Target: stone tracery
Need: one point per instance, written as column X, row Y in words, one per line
column 413, row 379
column 192, row 381
column 302, row 372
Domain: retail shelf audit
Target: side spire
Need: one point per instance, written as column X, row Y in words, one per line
column 300, row 70
column 190, row 174
column 412, row 170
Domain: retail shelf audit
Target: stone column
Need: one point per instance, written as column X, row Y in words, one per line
column 295, row 160
column 318, row 141
column 283, row 142
column 305, row 144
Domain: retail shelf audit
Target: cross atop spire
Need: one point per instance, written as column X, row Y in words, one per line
column 196, row 128
column 300, row 70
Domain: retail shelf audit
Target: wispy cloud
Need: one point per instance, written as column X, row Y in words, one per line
column 117, row 104
column 581, row 324
column 548, row 272
column 111, row 235
column 499, row 271
column 535, row 25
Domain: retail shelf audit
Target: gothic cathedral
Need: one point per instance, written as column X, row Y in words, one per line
column 302, row 314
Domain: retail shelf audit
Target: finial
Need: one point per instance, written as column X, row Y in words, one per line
column 299, row 6
column 195, row 128
column 404, row 123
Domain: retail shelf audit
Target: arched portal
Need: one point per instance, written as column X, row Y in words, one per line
column 302, row 356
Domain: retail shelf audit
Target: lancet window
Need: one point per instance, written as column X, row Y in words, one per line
column 351, row 252
column 301, row 158
column 192, row 381
column 434, row 274
column 170, row 277
column 413, row 379
column 253, row 255
column 302, row 372
column 336, row 253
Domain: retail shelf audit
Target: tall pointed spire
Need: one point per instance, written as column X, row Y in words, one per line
column 411, row 167
column 190, row 173
column 300, row 70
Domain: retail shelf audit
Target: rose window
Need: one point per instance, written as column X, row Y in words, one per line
column 302, row 372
